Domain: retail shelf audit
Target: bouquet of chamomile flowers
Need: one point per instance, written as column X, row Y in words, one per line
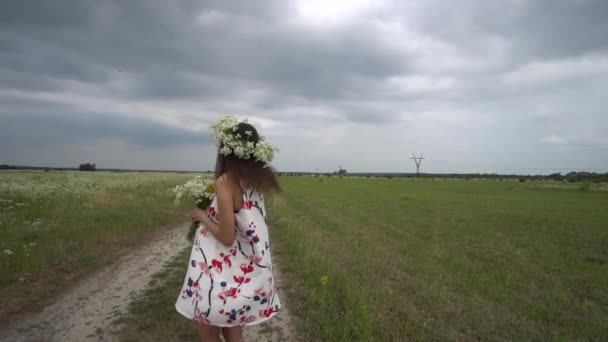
column 201, row 190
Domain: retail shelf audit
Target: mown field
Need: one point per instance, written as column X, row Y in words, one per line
column 365, row 258
column 396, row 259
column 388, row 259
column 56, row 227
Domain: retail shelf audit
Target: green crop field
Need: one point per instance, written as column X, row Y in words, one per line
column 362, row 258
column 380, row 260
column 57, row 226
column 386, row 259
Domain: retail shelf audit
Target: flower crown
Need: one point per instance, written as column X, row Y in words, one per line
column 230, row 141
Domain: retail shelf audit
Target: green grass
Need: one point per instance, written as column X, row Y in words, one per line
column 152, row 316
column 443, row 259
column 423, row 260
column 57, row 226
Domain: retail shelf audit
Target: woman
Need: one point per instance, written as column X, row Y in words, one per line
column 229, row 282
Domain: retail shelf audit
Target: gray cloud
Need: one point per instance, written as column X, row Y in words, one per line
column 461, row 81
column 55, row 126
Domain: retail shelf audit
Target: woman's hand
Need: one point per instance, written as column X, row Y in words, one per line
column 199, row 215
column 223, row 230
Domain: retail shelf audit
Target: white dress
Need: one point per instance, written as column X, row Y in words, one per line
column 230, row 286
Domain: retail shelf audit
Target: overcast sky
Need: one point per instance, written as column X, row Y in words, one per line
column 478, row 86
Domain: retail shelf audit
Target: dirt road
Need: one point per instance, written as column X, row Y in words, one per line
column 87, row 311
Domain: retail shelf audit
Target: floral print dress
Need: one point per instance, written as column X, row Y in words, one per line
column 230, row 286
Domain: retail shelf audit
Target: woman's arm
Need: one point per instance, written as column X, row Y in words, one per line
column 224, row 231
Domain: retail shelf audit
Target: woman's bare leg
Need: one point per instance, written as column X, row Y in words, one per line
column 234, row 334
column 208, row 333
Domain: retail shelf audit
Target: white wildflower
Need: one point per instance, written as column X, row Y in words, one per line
column 232, row 144
column 225, row 150
column 198, row 188
column 8, row 252
column 239, row 152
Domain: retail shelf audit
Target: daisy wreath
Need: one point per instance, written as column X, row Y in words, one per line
column 230, row 142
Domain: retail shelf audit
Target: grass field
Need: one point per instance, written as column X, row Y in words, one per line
column 379, row 259
column 385, row 259
column 57, row 226
column 365, row 258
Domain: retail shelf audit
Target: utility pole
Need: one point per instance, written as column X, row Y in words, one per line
column 418, row 161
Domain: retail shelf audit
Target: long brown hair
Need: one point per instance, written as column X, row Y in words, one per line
column 249, row 172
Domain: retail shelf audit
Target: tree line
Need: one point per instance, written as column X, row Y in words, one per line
column 574, row 176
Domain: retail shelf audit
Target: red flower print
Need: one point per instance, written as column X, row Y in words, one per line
column 232, row 292
column 217, row 264
column 227, row 260
column 248, row 204
column 204, row 267
column 249, row 319
column 231, row 285
column 255, row 259
column 241, row 279
column 266, row 313
column 246, row 268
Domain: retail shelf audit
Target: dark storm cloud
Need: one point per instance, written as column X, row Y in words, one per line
column 160, row 46
column 528, row 29
column 450, row 75
column 55, row 126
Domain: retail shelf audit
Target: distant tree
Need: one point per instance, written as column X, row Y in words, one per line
column 7, row 167
column 556, row 176
column 87, row 167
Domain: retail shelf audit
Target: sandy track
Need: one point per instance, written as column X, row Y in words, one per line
column 86, row 312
